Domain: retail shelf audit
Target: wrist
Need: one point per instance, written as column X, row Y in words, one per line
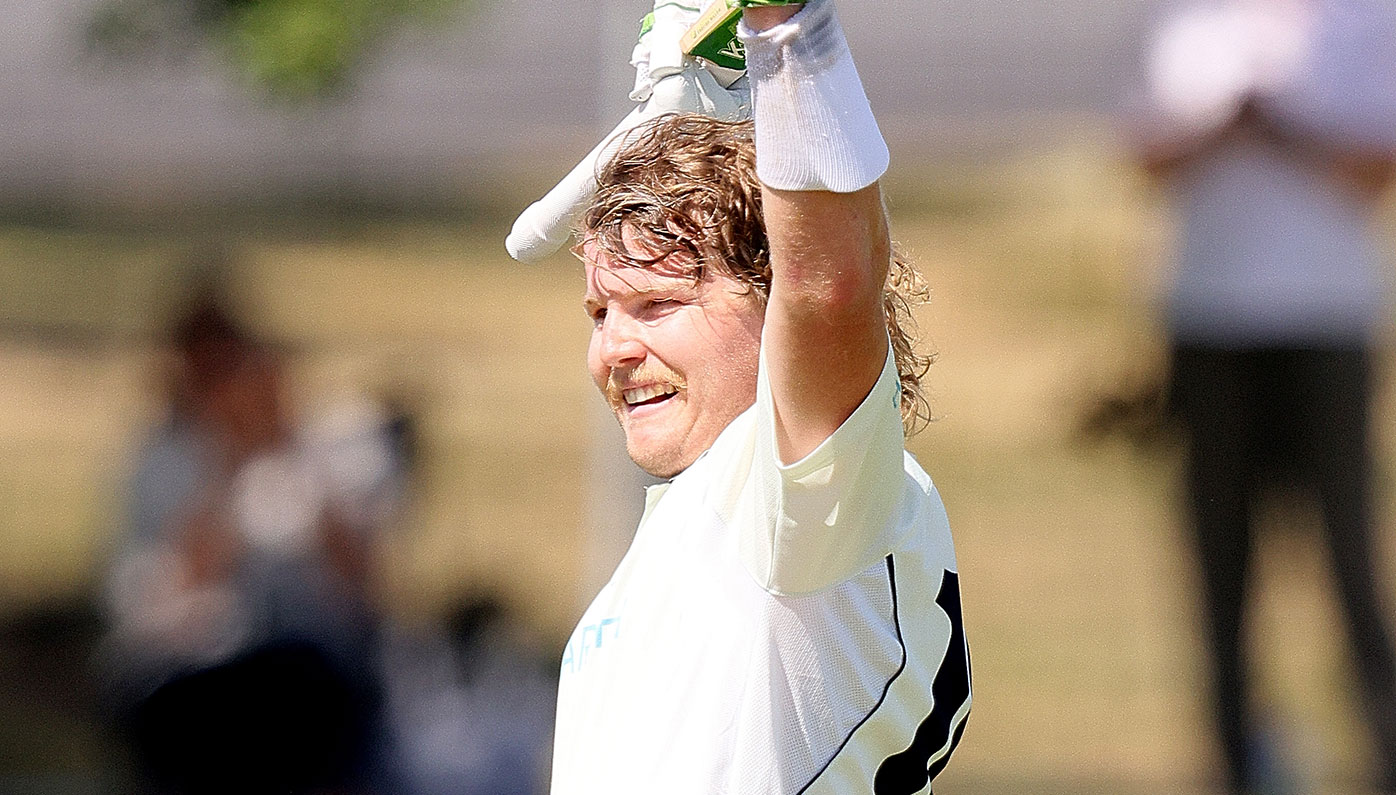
column 814, row 127
column 766, row 16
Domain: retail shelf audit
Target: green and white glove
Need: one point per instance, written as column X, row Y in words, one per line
column 667, row 80
column 713, row 36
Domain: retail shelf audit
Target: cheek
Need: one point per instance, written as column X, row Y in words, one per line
column 598, row 370
column 731, row 368
column 744, row 348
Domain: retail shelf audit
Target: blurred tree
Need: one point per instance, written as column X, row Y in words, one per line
column 292, row 50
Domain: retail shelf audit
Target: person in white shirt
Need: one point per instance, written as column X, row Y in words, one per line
column 787, row 618
column 1272, row 123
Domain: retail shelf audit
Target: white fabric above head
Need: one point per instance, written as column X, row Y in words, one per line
column 547, row 223
column 1210, row 57
column 814, row 127
column 666, row 81
column 1200, row 67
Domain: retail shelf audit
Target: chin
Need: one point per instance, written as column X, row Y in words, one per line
column 663, row 473
column 658, row 463
column 658, row 467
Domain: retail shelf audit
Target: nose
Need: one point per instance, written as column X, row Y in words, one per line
column 620, row 343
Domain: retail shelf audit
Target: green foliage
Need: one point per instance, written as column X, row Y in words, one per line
column 292, row 50
column 300, row 47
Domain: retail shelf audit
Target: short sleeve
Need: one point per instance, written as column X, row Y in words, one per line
column 1346, row 91
column 819, row 521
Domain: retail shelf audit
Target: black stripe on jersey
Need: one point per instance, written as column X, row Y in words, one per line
column 896, row 622
column 907, row 772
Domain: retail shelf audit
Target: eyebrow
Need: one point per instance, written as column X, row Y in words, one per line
column 674, row 286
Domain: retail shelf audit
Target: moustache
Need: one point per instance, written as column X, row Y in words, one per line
column 617, row 381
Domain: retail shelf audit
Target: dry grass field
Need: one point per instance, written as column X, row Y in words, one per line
column 1078, row 588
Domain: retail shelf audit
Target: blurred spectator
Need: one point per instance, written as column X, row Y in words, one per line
column 242, row 618
column 247, row 650
column 1273, row 125
column 470, row 705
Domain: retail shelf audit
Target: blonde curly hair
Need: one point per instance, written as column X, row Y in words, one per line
column 687, row 183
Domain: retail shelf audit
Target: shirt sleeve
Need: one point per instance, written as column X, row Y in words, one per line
column 814, row 523
column 1345, row 92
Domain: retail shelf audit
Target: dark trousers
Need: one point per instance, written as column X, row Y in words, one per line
column 282, row 720
column 1251, row 415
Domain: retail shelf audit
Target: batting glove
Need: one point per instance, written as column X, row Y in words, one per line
column 667, row 80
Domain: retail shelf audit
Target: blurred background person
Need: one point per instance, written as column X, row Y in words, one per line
column 250, row 648
column 470, row 703
column 241, row 601
column 1273, row 127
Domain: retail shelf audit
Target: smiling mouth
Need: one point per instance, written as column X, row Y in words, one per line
column 650, row 395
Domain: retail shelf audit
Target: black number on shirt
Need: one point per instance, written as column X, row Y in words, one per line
column 907, row 772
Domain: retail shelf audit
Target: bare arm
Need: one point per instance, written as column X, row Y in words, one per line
column 1370, row 175
column 825, row 331
column 1366, row 170
column 1161, row 159
column 826, row 335
column 1165, row 149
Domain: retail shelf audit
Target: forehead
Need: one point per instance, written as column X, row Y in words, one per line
column 607, row 276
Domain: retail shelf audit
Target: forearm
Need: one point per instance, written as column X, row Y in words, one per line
column 1356, row 150
column 1370, row 175
column 825, row 331
column 819, row 155
column 1163, row 146
column 1161, row 157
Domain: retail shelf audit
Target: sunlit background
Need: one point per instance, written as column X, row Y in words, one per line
column 343, row 175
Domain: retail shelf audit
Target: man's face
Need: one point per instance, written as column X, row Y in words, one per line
column 675, row 359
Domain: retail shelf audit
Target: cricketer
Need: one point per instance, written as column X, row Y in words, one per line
column 787, row 618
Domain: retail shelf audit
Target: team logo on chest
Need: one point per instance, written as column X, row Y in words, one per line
column 588, row 641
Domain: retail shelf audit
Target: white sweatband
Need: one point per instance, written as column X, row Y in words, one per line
column 814, row 127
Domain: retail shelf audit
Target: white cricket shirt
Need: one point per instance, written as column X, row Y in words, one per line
column 774, row 629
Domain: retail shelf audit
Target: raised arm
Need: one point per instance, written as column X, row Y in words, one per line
column 819, row 155
column 1162, row 146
